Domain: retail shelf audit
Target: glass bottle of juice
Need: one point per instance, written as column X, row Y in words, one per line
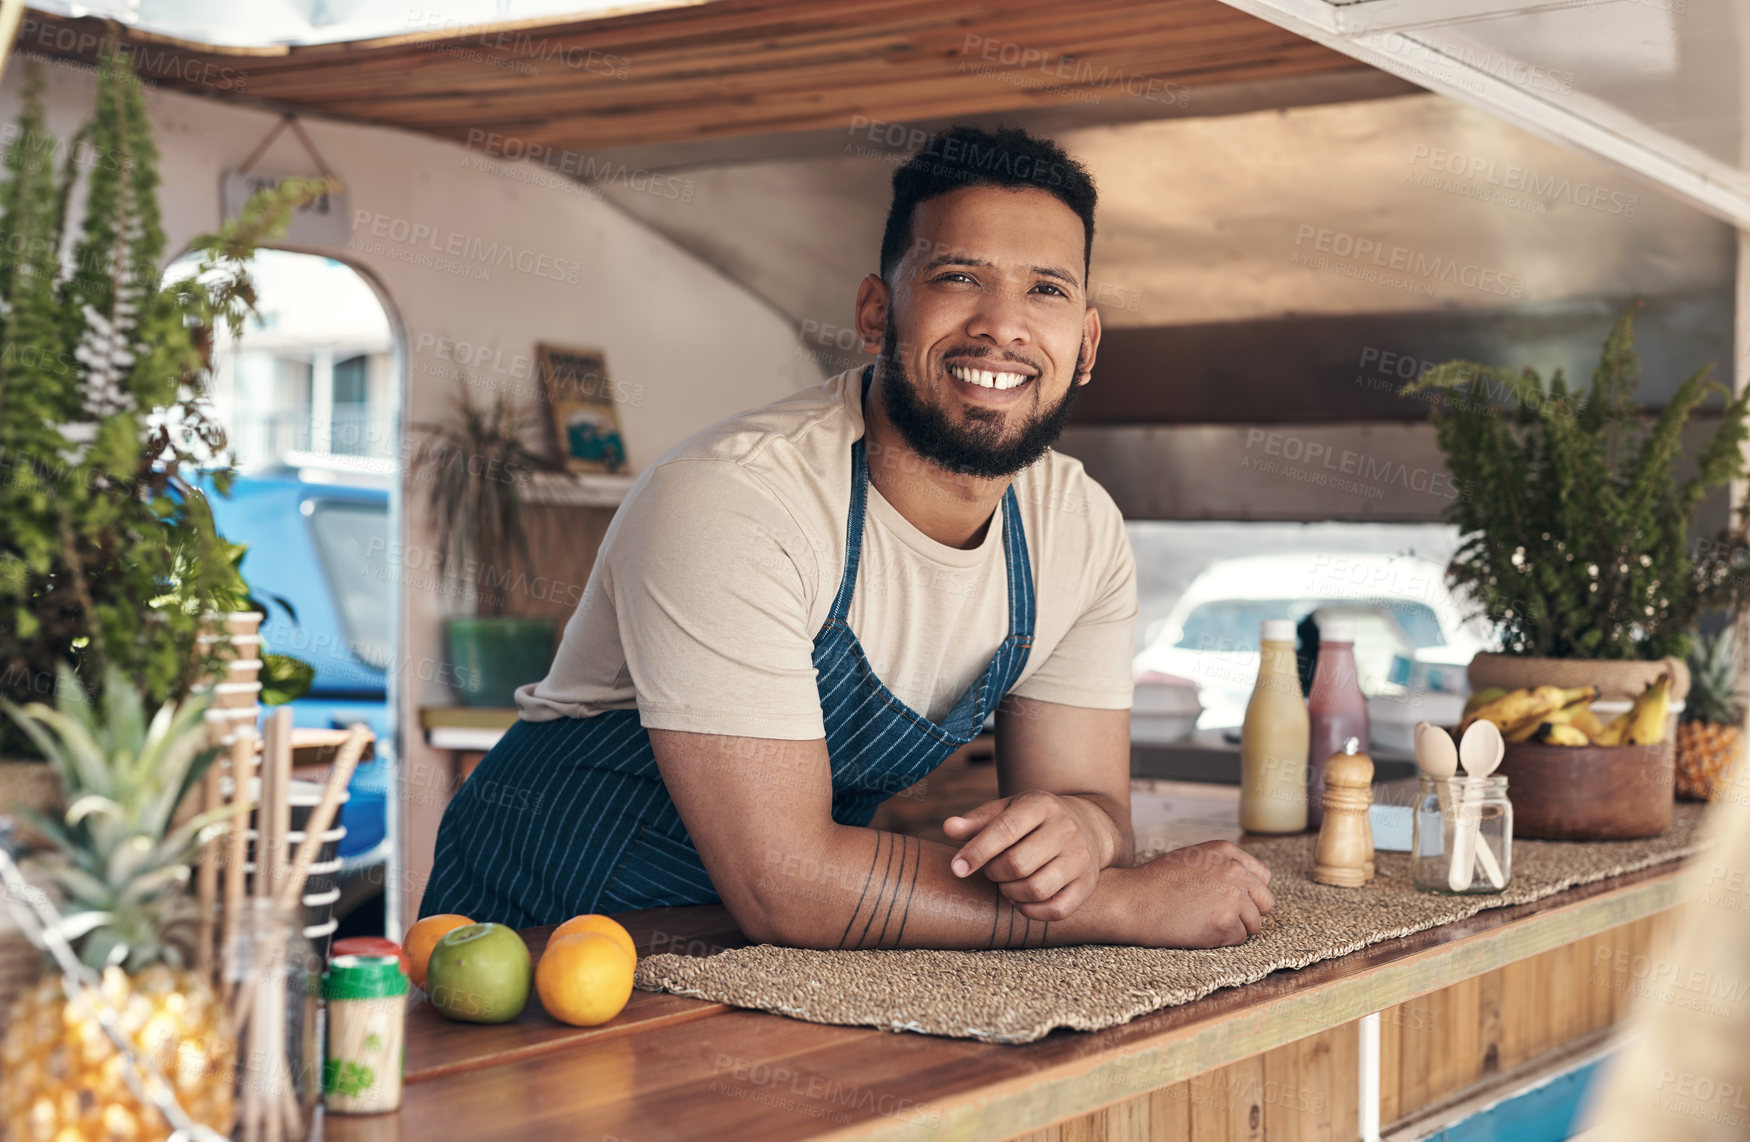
column 1273, row 739
column 1337, row 707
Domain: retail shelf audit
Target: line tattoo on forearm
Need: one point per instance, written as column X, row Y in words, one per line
column 892, row 894
column 1026, row 929
column 888, row 892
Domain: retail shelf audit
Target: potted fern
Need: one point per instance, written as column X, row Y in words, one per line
column 475, row 467
column 1574, row 526
column 109, row 559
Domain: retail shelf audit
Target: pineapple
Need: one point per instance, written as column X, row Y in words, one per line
column 122, row 871
column 1709, row 742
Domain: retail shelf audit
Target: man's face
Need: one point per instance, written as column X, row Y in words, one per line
column 987, row 328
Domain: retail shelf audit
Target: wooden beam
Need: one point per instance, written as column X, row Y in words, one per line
column 734, row 68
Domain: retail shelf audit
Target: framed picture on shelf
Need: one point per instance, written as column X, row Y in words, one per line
column 586, row 430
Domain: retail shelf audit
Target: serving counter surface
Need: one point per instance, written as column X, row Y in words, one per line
column 1276, row 1059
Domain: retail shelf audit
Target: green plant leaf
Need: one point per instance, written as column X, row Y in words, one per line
column 142, row 889
column 75, row 925
column 1573, row 528
column 284, row 679
column 92, row 803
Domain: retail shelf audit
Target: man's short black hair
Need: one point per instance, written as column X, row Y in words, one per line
column 963, row 156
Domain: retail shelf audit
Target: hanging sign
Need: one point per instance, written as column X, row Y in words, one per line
column 321, row 222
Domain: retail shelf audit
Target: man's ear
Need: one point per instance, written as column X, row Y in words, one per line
column 873, row 298
column 1089, row 347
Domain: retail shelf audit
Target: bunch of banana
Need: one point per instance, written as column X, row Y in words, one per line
column 1644, row 722
column 1551, row 715
column 1521, row 714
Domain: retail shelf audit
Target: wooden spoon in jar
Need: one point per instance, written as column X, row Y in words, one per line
column 1480, row 752
column 1437, row 757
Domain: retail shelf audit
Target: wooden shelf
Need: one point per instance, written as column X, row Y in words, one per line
column 467, row 728
column 577, row 490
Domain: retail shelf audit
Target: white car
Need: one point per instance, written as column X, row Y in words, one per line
column 1411, row 637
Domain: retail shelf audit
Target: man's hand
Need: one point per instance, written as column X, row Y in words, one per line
column 1043, row 850
column 1211, row 895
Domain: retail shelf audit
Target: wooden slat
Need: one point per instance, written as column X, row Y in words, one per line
column 1127, row 1121
column 1491, row 990
column 740, row 67
column 1310, row 1088
column 1518, row 1014
column 1169, row 1114
column 1593, row 1001
column 1227, row 1106
column 1391, row 1036
column 1462, row 1062
column 1343, row 1118
column 1417, row 1058
column 1572, row 1008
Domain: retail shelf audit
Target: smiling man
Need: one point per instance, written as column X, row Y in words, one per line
column 803, row 610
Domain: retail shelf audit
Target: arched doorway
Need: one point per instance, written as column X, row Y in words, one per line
column 309, row 396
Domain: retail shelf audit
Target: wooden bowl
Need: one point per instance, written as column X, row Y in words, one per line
column 1589, row 793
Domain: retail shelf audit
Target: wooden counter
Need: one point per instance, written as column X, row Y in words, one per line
column 1275, row 1060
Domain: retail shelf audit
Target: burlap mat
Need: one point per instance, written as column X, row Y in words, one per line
column 1018, row 995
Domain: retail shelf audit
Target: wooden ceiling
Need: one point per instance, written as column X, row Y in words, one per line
column 730, row 68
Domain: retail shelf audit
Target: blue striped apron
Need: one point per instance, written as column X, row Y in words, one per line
column 571, row 816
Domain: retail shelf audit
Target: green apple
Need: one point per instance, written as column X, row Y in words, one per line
column 480, row 973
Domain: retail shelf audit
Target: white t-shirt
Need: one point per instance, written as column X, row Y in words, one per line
column 721, row 566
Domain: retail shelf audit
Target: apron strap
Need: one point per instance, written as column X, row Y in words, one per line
column 841, row 604
column 1020, row 567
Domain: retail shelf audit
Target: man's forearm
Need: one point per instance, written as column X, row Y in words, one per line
column 875, row 889
column 1112, row 819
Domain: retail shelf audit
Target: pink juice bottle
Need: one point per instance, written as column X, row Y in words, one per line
column 1336, row 707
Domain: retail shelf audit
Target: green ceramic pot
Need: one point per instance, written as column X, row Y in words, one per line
column 491, row 657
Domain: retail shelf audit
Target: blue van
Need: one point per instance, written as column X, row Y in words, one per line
column 324, row 549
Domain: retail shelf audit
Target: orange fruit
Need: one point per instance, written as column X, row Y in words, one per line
column 584, row 978
column 423, row 937
column 601, row 926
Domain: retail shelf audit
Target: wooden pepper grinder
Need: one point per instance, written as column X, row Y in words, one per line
column 1345, row 849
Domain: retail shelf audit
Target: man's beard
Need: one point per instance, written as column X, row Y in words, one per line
column 969, row 449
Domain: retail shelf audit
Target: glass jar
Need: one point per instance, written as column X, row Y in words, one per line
column 274, row 978
column 1462, row 842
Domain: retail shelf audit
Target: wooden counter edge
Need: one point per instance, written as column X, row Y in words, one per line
column 1015, row 1106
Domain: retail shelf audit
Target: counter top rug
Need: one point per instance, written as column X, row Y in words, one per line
column 1018, row 995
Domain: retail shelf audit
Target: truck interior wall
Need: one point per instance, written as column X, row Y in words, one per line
column 690, row 344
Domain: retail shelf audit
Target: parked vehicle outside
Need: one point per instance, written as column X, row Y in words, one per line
column 1410, row 629
column 322, row 547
